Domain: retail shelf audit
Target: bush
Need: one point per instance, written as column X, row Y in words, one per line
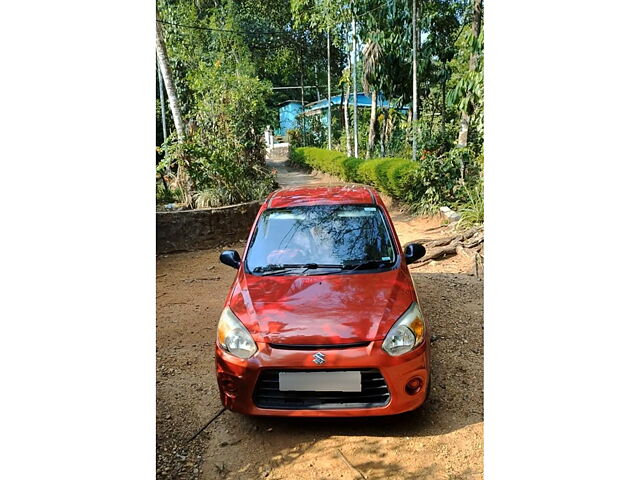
column 294, row 137
column 390, row 175
column 393, row 176
column 245, row 190
column 223, row 153
column 296, row 159
column 472, row 212
column 328, row 161
column 164, row 196
column 432, row 182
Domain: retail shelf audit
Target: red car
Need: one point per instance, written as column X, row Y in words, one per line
column 322, row 318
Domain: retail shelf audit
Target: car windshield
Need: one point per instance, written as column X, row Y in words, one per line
column 342, row 237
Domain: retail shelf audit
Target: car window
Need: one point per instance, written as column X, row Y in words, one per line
column 324, row 235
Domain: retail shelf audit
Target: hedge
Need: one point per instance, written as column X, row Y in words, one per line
column 393, row 176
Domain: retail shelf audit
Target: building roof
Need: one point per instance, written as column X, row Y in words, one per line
column 286, row 102
column 364, row 101
column 323, row 195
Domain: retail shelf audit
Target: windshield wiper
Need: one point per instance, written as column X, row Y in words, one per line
column 275, row 269
column 367, row 265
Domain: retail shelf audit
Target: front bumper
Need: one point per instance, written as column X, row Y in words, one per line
column 237, row 378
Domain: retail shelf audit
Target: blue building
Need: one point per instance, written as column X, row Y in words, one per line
column 289, row 111
column 364, row 101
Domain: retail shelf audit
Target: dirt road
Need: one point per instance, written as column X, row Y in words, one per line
column 443, row 440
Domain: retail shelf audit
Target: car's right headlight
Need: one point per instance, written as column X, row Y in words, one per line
column 234, row 337
column 407, row 333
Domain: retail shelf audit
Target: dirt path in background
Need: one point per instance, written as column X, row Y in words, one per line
column 443, row 440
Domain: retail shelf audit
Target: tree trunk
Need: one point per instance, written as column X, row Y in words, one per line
column 465, row 118
column 174, row 105
column 383, row 132
column 354, row 66
column 345, row 109
column 162, row 109
column 414, row 100
column 443, row 114
column 184, row 182
column 372, row 123
column 304, row 126
column 329, row 88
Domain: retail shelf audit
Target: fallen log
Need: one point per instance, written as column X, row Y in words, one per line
column 475, row 240
column 438, row 252
column 478, row 264
column 467, row 244
column 465, row 252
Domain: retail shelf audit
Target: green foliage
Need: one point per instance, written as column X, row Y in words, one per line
column 225, row 69
column 393, row 176
column 390, row 175
column 438, row 178
column 224, row 104
column 328, row 161
column 243, row 190
column 472, row 211
column 221, row 170
column 425, row 186
column 162, row 194
column 467, row 93
column 295, row 138
column 439, row 182
column 296, row 159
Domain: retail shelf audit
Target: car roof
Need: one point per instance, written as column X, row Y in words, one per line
column 336, row 194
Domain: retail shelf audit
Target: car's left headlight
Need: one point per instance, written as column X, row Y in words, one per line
column 407, row 333
column 234, row 337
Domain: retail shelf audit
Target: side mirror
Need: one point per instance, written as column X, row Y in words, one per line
column 231, row 258
column 414, row 251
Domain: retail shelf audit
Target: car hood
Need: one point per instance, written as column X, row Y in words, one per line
column 321, row 309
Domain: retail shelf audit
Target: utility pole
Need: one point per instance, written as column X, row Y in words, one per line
column 329, row 87
column 414, row 116
column 164, row 120
column 355, row 86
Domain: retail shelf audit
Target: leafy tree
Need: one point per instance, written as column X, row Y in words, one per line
column 468, row 93
column 226, row 56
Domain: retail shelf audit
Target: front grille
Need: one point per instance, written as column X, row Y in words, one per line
column 331, row 346
column 267, row 393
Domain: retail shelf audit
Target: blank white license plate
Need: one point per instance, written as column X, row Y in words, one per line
column 320, row 381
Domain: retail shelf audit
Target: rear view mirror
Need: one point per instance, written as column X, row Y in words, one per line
column 231, row 258
column 414, row 251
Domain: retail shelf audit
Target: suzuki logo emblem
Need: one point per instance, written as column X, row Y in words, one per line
column 318, row 358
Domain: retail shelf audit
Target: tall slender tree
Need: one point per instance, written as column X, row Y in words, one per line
column 345, row 84
column 465, row 116
column 371, row 57
column 186, row 186
column 414, row 90
column 162, row 109
column 165, row 69
column 329, row 88
column 354, row 70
